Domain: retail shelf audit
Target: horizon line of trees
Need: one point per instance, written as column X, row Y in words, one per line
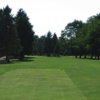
column 77, row 39
column 84, row 38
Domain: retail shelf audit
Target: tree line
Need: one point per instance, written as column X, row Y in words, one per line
column 16, row 34
column 17, row 37
column 84, row 38
column 77, row 39
column 46, row 45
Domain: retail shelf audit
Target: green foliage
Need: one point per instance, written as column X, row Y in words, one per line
column 25, row 32
column 16, row 34
column 63, row 42
column 84, row 38
column 55, row 45
column 72, row 28
column 39, row 45
column 48, row 44
column 9, row 41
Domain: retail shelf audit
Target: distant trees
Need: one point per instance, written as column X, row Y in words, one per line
column 84, row 38
column 93, row 37
column 77, row 39
column 72, row 28
column 63, row 44
column 55, row 45
column 46, row 45
column 11, row 43
column 39, row 45
column 71, row 31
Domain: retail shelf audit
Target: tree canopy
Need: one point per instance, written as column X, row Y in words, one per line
column 25, row 32
column 16, row 34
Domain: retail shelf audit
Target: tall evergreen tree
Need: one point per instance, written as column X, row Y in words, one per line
column 41, row 45
column 8, row 34
column 1, row 33
column 25, row 33
column 55, row 45
column 48, row 44
column 35, row 44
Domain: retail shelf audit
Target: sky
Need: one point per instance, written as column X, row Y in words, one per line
column 53, row 15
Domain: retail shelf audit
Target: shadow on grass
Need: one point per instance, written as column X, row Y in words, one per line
column 13, row 61
column 88, row 58
column 27, row 59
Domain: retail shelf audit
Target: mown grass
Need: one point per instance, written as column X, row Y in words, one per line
column 50, row 78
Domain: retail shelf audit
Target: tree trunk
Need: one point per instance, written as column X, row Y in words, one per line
column 80, row 56
column 91, row 57
column 98, row 57
column 85, row 57
column 21, row 57
column 7, row 59
column 95, row 57
column 75, row 56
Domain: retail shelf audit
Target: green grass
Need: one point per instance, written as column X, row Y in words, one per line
column 50, row 78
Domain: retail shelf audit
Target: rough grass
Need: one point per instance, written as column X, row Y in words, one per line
column 44, row 78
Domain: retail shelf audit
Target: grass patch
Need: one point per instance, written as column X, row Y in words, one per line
column 44, row 78
column 38, row 84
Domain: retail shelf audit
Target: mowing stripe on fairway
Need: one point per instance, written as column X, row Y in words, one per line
column 38, row 84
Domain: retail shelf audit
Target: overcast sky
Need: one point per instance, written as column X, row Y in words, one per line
column 53, row 15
